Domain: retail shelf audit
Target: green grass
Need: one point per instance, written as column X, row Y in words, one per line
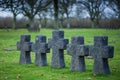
column 10, row 69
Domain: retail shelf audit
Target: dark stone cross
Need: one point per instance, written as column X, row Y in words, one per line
column 101, row 52
column 77, row 50
column 58, row 44
column 25, row 47
column 40, row 48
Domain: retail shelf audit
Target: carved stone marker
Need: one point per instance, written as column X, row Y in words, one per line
column 77, row 50
column 101, row 52
column 58, row 44
column 25, row 47
column 40, row 48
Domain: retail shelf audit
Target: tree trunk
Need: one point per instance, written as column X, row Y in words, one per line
column 92, row 24
column 14, row 21
column 40, row 21
column 45, row 20
column 97, row 23
column 31, row 23
column 92, row 18
column 68, row 22
column 119, row 16
column 56, row 26
column 61, row 23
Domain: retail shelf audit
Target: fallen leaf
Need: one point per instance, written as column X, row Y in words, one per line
column 18, row 76
column 2, row 60
column 94, row 74
column 63, row 77
column 89, row 78
column 51, row 78
column 6, row 78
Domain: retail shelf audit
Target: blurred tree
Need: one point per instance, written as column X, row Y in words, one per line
column 115, row 6
column 56, row 12
column 94, row 8
column 40, row 18
column 80, row 14
column 44, row 16
column 66, row 8
column 61, row 18
column 12, row 6
column 30, row 8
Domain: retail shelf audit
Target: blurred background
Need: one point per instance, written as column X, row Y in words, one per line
column 36, row 14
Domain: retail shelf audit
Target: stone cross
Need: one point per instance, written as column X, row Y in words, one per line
column 40, row 48
column 58, row 44
column 25, row 47
column 101, row 52
column 77, row 50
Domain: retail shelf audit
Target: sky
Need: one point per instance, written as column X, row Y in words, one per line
column 9, row 14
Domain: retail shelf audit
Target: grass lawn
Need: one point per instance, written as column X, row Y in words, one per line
column 10, row 69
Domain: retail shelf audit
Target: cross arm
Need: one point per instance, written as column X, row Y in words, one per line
column 50, row 43
column 108, row 52
column 62, row 43
column 71, row 49
column 82, row 50
column 44, row 48
column 33, row 47
column 25, row 46
column 92, row 51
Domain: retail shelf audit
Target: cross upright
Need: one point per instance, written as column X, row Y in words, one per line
column 25, row 47
column 77, row 50
column 101, row 52
column 40, row 48
column 58, row 45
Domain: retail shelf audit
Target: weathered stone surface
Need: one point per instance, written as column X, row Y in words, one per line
column 58, row 45
column 101, row 52
column 40, row 47
column 77, row 50
column 25, row 47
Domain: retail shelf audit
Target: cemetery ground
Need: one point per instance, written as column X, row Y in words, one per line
column 10, row 69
